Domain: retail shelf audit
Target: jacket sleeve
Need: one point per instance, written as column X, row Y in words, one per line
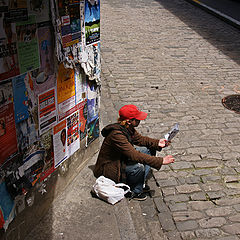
column 148, row 142
column 121, row 144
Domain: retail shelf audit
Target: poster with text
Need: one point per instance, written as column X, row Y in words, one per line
column 92, row 102
column 47, row 110
column 73, row 138
column 83, row 119
column 60, row 143
column 9, row 66
column 65, row 92
column 27, row 44
column 92, row 21
column 8, row 138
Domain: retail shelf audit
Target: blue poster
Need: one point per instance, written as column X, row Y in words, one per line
column 92, row 21
column 20, row 98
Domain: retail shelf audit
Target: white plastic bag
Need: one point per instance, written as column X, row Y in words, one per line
column 109, row 191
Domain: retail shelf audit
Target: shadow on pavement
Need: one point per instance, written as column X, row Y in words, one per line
column 221, row 35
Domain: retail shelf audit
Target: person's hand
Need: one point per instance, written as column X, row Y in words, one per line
column 168, row 159
column 163, row 143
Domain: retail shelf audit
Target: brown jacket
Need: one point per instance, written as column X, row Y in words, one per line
column 117, row 148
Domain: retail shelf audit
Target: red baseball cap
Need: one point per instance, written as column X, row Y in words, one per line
column 131, row 111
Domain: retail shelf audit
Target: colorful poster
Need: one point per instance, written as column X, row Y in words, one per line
column 92, row 21
column 93, row 131
column 83, row 119
column 25, row 108
column 8, row 138
column 60, row 143
column 65, row 91
column 47, row 110
column 20, row 98
column 69, row 12
column 73, row 138
column 40, row 8
column 27, row 44
column 9, row 66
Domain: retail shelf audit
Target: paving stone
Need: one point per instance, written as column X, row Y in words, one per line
column 201, row 172
column 187, row 225
column 200, row 205
column 178, row 207
column 200, row 196
column 167, row 183
column 229, row 238
column 188, row 235
column 232, row 228
column 168, row 191
column 188, row 188
column 212, row 222
column 215, row 195
column 220, row 211
column 166, row 221
column 208, row 187
column 207, row 233
column 206, row 164
column 160, row 205
column 182, row 165
column 235, row 217
column 187, row 215
column 177, row 198
column 210, row 178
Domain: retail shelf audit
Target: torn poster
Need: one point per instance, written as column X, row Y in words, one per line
column 9, row 66
column 8, row 137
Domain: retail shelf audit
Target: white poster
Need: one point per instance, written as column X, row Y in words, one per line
column 60, row 143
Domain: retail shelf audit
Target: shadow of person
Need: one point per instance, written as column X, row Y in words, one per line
column 91, row 167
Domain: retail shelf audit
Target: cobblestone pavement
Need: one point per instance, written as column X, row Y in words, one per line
column 177, row 62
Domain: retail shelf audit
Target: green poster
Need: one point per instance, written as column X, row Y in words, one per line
column 27, row 42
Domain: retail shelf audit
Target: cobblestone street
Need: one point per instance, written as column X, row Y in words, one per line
column 177, row 62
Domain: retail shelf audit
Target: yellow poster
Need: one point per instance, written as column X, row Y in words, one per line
column 65, row 84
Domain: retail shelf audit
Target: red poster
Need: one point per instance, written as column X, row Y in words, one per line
column 8, row 138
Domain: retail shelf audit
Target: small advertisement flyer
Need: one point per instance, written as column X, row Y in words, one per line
column 65, row 91
column 27, row 42
column 73, row 138
column 47, row 110
column 60, row 143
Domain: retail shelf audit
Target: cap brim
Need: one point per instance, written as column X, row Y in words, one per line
column 141, row 116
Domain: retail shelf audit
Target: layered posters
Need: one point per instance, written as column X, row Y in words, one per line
column 44, row 76
column 40, row 8
column 9, row 66
column 47, row 110
column 8, row 138
column 69, row 12
column 92, row 113
column 65, row 92
column 25, row 108
column 66, row 139
column 27, row 44
column 92, row 21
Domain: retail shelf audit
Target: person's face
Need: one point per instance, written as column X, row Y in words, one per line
column 63, row 137
column 134, row 122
